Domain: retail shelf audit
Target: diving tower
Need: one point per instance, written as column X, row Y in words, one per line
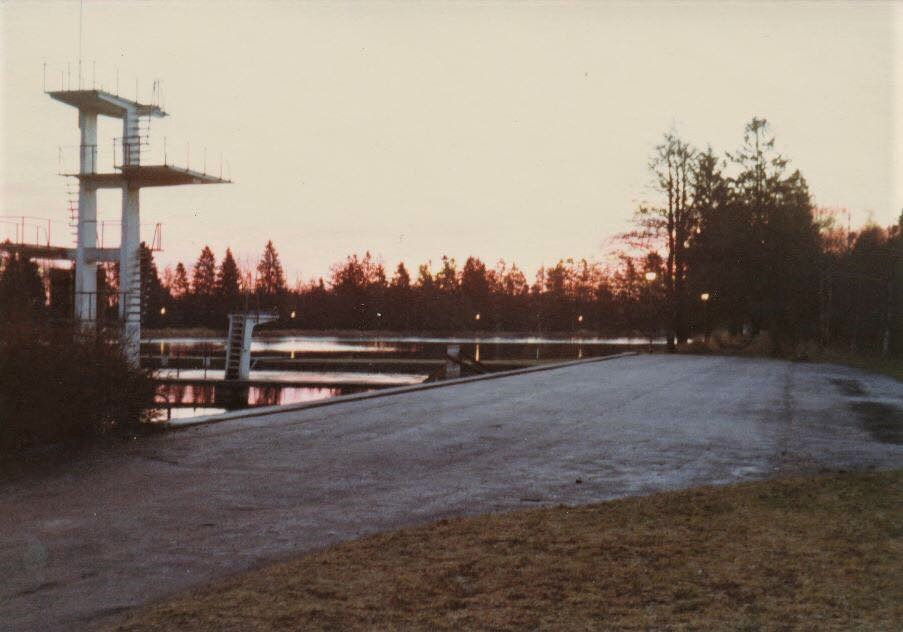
column 129, row 174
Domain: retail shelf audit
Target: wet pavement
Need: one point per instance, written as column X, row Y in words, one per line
column 112, row 529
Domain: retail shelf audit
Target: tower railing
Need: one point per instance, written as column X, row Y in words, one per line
column 75, row 159
column 134, row 151
column 87, row 74
column 27, row 230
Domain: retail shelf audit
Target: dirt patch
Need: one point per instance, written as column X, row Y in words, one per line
column 883, row 421
column 809, row 553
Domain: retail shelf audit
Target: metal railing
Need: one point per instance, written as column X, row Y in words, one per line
column 76, row 159
column 166, row 153
column 89, row 75
column 102, row 306
column 38, row 231
column 19, row 229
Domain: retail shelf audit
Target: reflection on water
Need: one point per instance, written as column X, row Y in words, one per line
column 417, row 355
column 320, row 345
column 185, row 413
column 481, row 348
column 178, row 401
column 282, row 344
column 311, row 377
column 278, row 396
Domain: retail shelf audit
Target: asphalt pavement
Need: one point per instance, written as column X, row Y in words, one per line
column 119, row 526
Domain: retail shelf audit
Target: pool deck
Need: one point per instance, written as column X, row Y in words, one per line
column 114, row 528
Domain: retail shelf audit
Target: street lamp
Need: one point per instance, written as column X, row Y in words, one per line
column 293, row 315
column 477, row 316
column 162, row 311
column 650, row 277
column 704, row 297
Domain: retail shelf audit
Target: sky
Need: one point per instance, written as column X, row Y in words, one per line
column 412, row 130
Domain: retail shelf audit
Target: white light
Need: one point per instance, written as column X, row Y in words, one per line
column 293, row 313
column 704, row 296
column 162, row 311
column 651, row 276
column 477, row 317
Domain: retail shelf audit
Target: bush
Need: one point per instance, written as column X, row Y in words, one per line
column 58, row 385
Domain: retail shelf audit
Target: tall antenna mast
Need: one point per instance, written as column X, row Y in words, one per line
column 81, row 4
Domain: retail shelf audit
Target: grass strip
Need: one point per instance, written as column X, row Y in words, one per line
column 816, row 553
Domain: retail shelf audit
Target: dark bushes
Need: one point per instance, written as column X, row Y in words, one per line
column 58, row 385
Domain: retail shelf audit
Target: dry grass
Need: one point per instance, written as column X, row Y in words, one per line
column 813, row 554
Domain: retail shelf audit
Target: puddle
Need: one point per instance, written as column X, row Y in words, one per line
column 883, row 421
column 849, row 387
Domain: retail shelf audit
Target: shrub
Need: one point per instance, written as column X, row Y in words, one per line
column 60, row 385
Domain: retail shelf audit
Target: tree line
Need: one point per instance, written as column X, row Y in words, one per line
column 742, row 230
column 728, row 240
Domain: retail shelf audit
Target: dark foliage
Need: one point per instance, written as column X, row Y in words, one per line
column 57, row 385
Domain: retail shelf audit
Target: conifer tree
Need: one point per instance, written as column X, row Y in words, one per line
column 180, row 286
column 228, row 277
column 203, row 281
column 270, row 276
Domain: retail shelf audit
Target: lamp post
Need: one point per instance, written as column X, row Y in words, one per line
column 651, row 276
column 704, row 297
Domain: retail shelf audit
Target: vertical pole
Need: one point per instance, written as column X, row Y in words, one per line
column 244, row 367
column 80, row 10
column 888, row 314
column 453, row 362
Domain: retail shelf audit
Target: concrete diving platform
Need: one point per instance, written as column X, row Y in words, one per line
column 105, row 103
column 147, row 176
column 33, row 251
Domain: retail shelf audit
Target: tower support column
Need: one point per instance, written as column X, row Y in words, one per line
column 130, row 273
column 129, row 245
column 85, row 272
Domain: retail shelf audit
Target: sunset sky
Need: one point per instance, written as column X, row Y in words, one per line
column 419, row 129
